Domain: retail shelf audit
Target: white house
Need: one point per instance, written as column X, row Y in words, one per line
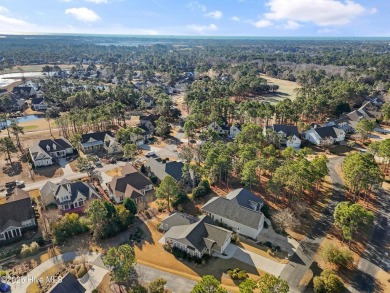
column 235, row 129
column 195, row 236
column 326, row 135
column 43, row 152
column 288, row 133
column 240, row 210
column 100, row 141
column 68, row 196
column 222, row 128
column 38, row 104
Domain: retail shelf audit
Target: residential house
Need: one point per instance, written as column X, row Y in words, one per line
column 370, row 111
column 146, row 102
column 100, row 141
column 68, row 284
column 16, row 216
column 289, row 134
column 43, row 152
column 326, row 135
column 220, row 128
column 145, row 134
column 22, row 91
column 70, row 197
column 18, row 105
column 195, row 236
column 38, row 104
column 149, row 121
column 162, row 168
column 235, row 129
column 132, row 184
column 240, row 210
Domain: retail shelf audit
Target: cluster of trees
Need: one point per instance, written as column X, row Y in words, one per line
column 267, row 283
column 361, row 172
column 349, row 218
column 106, row 219
column 102, row 217
column 340, row 257
column 69, row 225
column 382, row 150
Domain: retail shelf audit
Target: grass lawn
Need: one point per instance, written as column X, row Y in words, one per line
column 34, row 287
column 286, row 88
column 152, row 253
column 30, row 127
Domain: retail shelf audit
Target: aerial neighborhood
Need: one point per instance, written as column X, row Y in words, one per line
column 201, row 163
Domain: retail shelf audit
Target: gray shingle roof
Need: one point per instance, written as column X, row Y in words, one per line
column 240, row 206
column 289, row 130
column 98, row 136
column 161, row 169
column 201, row 234
column 16, row 210
column 73, row 189
column 326, row 131
column 179, row 219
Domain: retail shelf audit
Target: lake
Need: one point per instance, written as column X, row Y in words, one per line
column 8, row 78
column 23, row 119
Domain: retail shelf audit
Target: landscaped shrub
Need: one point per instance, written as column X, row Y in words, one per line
column 3, row 273
column 265, row 225
column 28, row 250
column 268, row 244
column 237, row 274
column 235, row 238
column 265, row 211
column 153, row 178
column 81, row 271
column 179, row 198
column 241, row 275
column 202, row 189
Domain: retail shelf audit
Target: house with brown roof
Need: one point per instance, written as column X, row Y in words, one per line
column 132, row 184
column 16, row 216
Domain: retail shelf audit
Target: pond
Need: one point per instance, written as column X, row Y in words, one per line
column 23, row 119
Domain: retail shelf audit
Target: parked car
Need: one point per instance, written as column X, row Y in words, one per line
column 19, row 183
column 149, row 154
column 4, row 288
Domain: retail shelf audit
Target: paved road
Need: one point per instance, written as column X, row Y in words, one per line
column 175, row 283
column 374, row 257
column 302, row 260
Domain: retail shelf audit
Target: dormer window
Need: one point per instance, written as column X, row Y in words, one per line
column 254, row 205
column 48, row 148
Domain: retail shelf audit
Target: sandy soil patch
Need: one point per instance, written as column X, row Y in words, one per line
column 114, row 172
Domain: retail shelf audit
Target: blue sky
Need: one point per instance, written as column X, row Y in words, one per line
column 207, row 17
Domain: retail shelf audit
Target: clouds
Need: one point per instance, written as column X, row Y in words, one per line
column 214, row 14
column 235, row 18
column 262, row 23
column 12, row 24
column 83, row 14
column 293, row 13
column 97, row 1
column 202, row 28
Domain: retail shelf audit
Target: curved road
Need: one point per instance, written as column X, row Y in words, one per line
column 302, row 260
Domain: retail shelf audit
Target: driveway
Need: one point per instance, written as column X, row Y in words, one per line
column 163, row 152
column 253, row 259
column 25, row 281
column 65, row 166
column 175, row 283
